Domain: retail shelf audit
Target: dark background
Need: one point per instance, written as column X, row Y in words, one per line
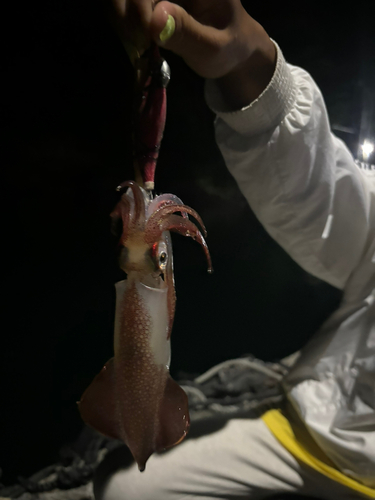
column 66, row 118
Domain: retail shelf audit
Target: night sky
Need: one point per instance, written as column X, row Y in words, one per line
column 66, row 117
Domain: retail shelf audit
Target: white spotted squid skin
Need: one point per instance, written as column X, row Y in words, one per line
column 133, row 398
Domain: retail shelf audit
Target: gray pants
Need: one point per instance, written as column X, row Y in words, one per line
column 241, row 460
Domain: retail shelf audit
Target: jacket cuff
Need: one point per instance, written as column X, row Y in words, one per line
column 267, row 111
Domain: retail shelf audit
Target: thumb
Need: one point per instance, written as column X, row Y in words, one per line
column 204, row 48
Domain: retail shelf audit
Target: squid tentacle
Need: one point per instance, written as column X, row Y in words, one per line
column 162, row 200
column 169, row 281
column 139, row 217
column 185, row 227
column 121, row 211
column 153, row 223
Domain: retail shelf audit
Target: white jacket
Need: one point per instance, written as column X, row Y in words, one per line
column 305, row 188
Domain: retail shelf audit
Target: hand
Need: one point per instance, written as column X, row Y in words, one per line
column 216, row 38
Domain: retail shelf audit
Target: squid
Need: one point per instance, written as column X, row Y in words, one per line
column 134, row 398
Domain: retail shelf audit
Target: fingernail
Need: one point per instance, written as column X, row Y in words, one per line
column 168, row 29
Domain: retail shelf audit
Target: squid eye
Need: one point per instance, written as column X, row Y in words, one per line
column 162, row 257
column 159, row 255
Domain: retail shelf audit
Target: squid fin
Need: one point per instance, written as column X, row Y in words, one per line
column 171, row 428
column 174, row 420
column 98, row 410
column 97, row 405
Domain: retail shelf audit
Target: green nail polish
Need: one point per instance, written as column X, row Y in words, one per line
column 168, row 29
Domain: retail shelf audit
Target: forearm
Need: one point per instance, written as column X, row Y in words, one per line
column 300, row 180
column 245, row 83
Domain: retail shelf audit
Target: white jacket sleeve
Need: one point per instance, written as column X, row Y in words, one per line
column 299, row 179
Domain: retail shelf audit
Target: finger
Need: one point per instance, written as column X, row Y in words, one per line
column 131, row 20
column 173, row 28
column 135, row 9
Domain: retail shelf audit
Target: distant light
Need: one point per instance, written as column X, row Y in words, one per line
column 367, row 148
